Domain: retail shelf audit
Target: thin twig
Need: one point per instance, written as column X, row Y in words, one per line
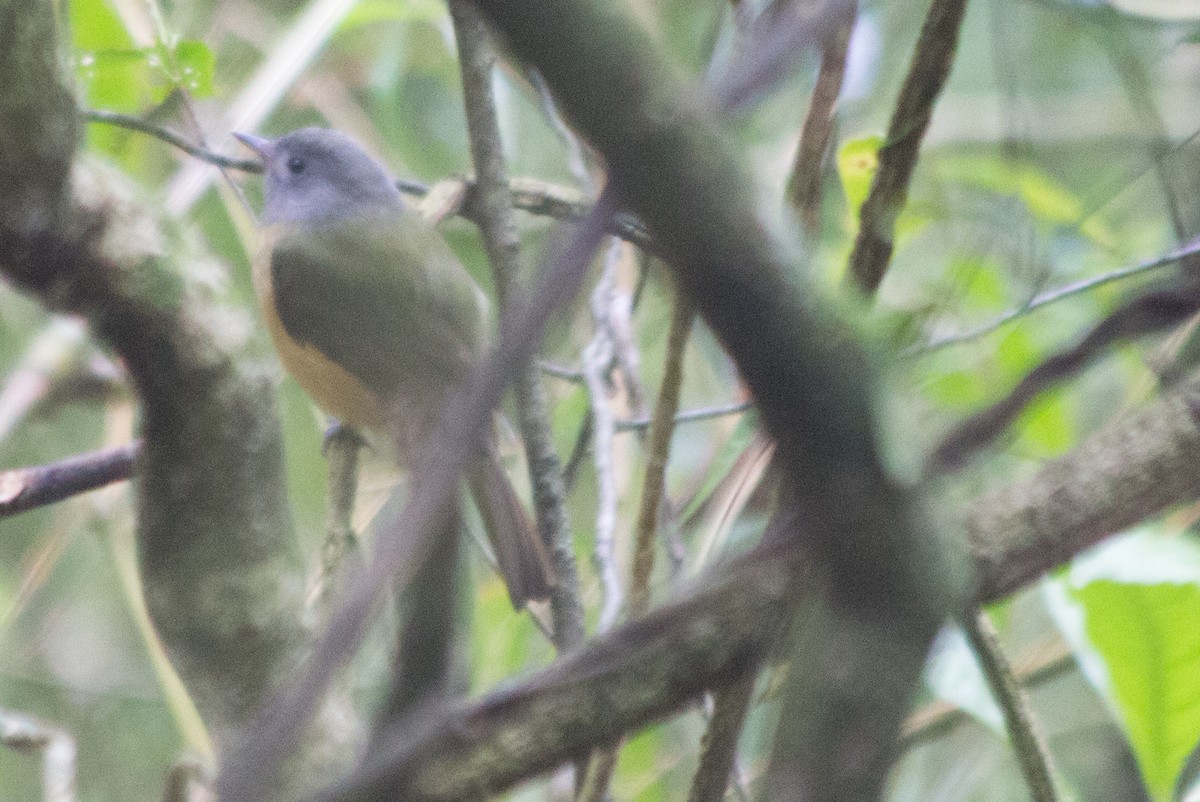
column 528, row 194
column 308, row 31
column 560, row 371
column 171, row 138
column 600, row 768
column 598, row 776
column 718, row 755
column 23, row 489
column 658, row 449
column 689, row 415
column 1028, row 742
column 1058, row 294
column 493, row 210
column 804, row 184
column 596, row 358
column 625, row 351
column 55, row 746
column 1043, row 664
column 1148, row 313
column 933, row 57
column 339, row 553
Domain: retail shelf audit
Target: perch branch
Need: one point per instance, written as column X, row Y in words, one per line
column 662, row 663
column 492, row 209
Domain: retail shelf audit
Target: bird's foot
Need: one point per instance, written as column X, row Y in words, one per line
column 340, row 434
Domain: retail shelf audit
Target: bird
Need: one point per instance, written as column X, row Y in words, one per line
column 376, row 319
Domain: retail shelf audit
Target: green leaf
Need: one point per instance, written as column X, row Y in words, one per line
column 986, row 290
column 196, row 65
column 1017, row 352
column 370, row 12
column 123, row 80
column 1140, row 600
column 96, row 26
column 1147, row 634
column 856, row 162
column 959, row 389
column 1047, row 200
column 1047, row 426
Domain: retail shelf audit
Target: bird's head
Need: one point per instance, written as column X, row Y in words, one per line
column 316, row 176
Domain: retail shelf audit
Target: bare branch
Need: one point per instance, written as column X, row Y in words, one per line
column 340, row 558
column 718, row 757
column 1133, row 468
column 1033, row 754
column 1145, row 314
column 658, row 448
column 171, row 138
column 1061, row 293
column 638, row 672
column 927, row 74
column 492, row 203
column 937, row 718
column 24, row 489
column 690, row 415
column 50, row 357
column 804, row 184
column 596, row 358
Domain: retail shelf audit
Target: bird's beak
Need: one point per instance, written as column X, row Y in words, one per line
column 263, row 147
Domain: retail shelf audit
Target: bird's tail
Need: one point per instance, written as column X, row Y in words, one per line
column 523, row 560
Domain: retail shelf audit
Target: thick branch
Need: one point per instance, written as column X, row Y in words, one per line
column 673, row 168
column 1013, row 523
column 219, row 562
column 1137, row 466
column 640, row 672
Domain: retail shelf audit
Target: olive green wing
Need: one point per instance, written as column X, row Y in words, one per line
column 386, row 299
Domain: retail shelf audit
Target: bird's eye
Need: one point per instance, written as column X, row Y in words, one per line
column 295, row 165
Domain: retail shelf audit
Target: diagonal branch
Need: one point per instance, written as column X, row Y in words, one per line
column 641, row 671
column 492, row 207
column 927, row 74
column 26, row 488
column 807, row 176
column 222, row 577
column 666, row 159
column 660, row 664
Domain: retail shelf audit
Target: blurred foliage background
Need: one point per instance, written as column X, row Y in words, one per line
column 1063, row 148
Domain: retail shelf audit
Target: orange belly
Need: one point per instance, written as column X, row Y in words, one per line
column 334, row 389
